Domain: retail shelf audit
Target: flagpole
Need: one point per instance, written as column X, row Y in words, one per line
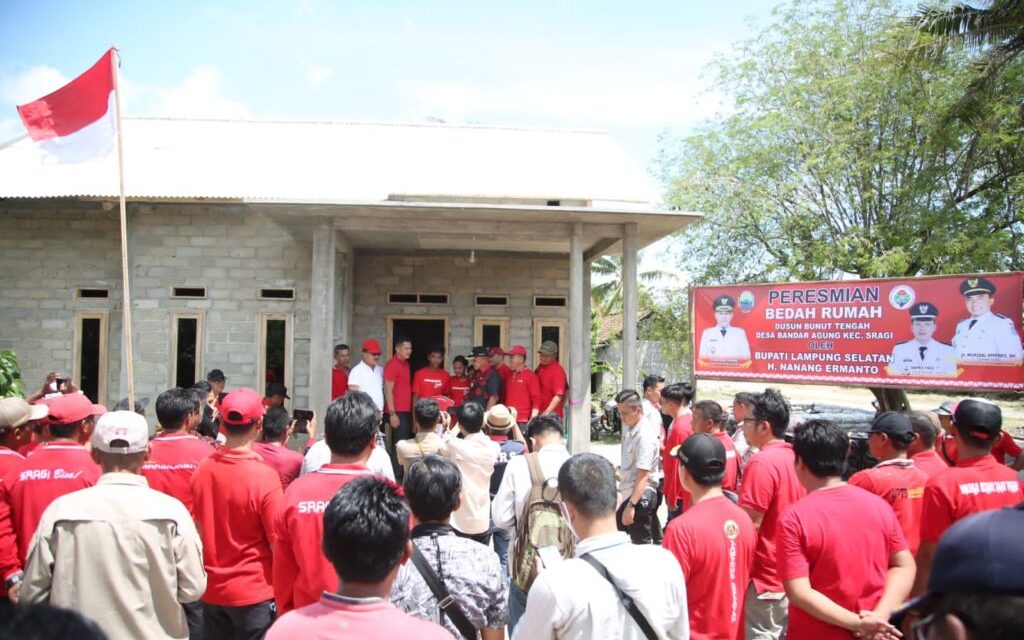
column 125, row 287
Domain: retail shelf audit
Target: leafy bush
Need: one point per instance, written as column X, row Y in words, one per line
column 11, row 384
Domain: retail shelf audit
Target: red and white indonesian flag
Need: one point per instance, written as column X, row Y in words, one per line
column 76, row 122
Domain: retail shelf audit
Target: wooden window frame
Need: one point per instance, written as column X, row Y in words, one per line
column 563, row 326
column 261, row 349
column 104, row 317
column 478, row 329
column 200, row 318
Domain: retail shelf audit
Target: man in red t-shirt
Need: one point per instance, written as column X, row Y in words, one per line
column 15, row 415
column 398, row 398
column 366, row 540
column 175, row 451
column 339, row 372
column 841, row 553
column 301, row 572
column 459, row 383
column 713, row 542
column 497, row 358
column 273, row 446
column 552, row 379
column 234, row 500
column 709, row 417
column 977, row 482
column 895, row 479
column 922, row 449
column 55, row 468
column 522, row 389
column 432, row 380
column 675, row 403
column 769, row 487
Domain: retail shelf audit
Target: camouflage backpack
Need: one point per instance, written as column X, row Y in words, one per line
column 541, row 525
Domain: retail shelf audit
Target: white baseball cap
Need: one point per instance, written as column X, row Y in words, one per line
column 15, row 412
column 125, row 428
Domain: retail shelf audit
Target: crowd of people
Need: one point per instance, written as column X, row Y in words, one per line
column 439, row 505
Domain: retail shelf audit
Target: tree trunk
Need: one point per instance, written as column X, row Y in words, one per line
column 891, row 399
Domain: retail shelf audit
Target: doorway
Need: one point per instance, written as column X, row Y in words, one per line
column 424, row 332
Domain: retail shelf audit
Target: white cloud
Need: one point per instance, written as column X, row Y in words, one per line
column 198, row 95
column 318, row 75
column 31, row 84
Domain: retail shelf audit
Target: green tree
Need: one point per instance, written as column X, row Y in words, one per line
column 11, row 385
column 607, row 295
column 838, row 158
column 994, row 29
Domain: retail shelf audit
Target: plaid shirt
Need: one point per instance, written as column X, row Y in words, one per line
column 469, row 570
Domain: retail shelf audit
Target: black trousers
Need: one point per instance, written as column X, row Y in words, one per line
column 194, row 617
column 238, row 623
column 645, row 528
column 402, row 432
column 483, row 538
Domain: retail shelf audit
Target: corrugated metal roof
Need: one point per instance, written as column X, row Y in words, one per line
column 302, row 161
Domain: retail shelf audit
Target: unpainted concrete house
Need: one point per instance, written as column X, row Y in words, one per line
column 254, row 247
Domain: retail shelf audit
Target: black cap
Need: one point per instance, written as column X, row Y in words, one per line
column 702, row 454
column 923, row 310
column 895, row 425
column 980, row 554
column 480, row 351
column 974, row 286
column 140, row 405
column 979, row 418
column 946, row 408
column 724, row 303
column 215, row 375
column 277, row 389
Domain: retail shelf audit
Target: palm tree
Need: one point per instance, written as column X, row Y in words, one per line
column 995, row 31
column 607, row 296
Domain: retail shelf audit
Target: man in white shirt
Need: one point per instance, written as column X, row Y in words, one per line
column 640, row 471
column 724, row 341
column 575, row 600
column 320, row 454
column 985, row 337
column 923, row 355
column 474, row 454
column 509, row 503
column 368, row 376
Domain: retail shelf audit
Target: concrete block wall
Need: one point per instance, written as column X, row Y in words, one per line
column 520, row 278
column 49, row 249
column 233, row 252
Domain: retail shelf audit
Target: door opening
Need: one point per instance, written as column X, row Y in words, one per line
column 425, row 334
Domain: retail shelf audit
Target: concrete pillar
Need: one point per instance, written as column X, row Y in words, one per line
column 345, row 291
column 579, row 354
column 321, row 316
column 629, row 304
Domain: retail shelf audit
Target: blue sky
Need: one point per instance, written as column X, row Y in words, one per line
column 632, row 68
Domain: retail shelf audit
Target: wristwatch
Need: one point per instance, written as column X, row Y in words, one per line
column 13, row 580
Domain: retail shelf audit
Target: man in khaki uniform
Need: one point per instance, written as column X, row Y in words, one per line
column 123, row 554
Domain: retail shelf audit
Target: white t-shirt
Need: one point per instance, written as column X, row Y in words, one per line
column 572, row 601
column 474, row 455
column 370, row 381
column 320, row 454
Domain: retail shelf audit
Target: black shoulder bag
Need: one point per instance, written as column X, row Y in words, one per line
column 627, row 602
column 445, row 600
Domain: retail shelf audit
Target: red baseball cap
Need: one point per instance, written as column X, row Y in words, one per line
column 444, row 403
column 517, row 350
column 496, row 351
column 242, row 406
column 372, row 346
column 72, row 407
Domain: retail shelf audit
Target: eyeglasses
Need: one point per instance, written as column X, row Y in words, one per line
column 754, row 420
